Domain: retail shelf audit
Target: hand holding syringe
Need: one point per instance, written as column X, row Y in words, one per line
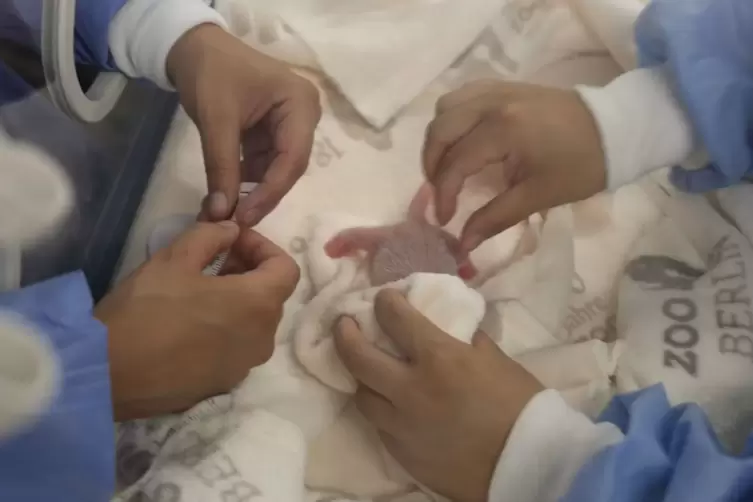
column 216, row 267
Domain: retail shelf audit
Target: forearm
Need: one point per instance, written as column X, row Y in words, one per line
column 144, row 32
column 56, row 426
column 547, row 447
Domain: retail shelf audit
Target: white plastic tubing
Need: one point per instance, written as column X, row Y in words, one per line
column 58, row 19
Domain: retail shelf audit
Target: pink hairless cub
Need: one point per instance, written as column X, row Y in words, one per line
column 397, row 251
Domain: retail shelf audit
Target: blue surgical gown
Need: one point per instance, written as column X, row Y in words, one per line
column 68, row 455
column 21, row 22
column 670, row 454
column 707, row 46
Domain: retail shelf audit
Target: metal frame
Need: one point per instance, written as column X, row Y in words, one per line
column 58, row 59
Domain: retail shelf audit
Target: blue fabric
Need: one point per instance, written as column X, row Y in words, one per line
column 69, row 455
column 668, row 454
column 12, row 87
column 707, row 45
column 21, row 21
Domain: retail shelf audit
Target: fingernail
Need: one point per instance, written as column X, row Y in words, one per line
column 342, row 323
column 228, row 224
column 337, row 328
column 218, row 205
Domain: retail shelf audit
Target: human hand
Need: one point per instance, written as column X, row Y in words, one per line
column 242, row 100
column 446, row 412
column 544, row 140
column 177, row 336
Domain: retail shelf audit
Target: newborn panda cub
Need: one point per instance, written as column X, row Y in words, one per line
column 397, row 251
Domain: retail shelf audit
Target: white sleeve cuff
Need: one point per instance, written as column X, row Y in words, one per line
column 144, row 31
column 547, row 447
column 643, row 126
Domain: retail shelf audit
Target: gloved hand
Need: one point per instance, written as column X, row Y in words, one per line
column 177, row 336
column 242, row 100
column 543, row 141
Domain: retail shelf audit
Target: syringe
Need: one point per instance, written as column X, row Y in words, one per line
column 216, row 267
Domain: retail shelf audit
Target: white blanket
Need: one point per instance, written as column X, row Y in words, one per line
column 685, row 308
column 548, row 285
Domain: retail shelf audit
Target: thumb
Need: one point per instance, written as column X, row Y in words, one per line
column 221, row 144
column 504, row 211
column 197, row 247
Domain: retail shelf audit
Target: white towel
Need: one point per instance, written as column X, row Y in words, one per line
column 443, row 299
column 370, row 48
column 612, row 23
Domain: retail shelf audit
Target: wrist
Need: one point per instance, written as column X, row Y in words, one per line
column 186, row 54
column 144, row 32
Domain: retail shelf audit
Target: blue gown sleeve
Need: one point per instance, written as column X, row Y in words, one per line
column 69, row 454
column 668, row 455
column 93, row 19
column 21, row 21
column 707, row 46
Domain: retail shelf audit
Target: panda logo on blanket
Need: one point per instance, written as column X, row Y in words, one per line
column 657, row 272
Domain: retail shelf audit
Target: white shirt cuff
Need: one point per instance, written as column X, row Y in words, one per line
column 643, row 126
column 144, row 31
column 547, row 447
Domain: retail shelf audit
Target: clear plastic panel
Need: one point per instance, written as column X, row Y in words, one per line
column 108, row 163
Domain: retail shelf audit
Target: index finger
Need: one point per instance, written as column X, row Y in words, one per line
column 265, row 261
column 468, row 92
column 294, row 122
column 443, row 132
column 220, row 142
column 506, row 210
